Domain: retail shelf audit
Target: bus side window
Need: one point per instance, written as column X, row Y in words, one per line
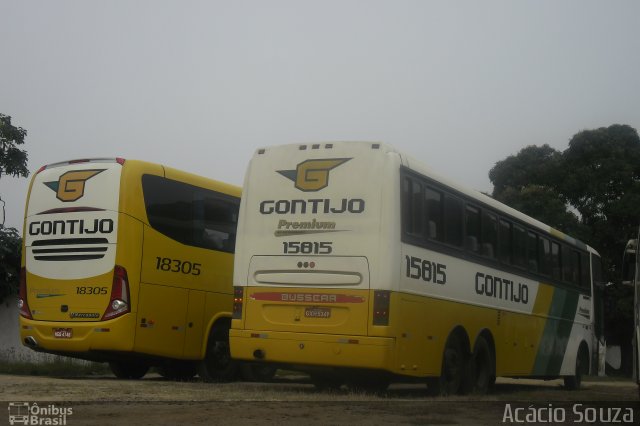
column 453, row 220
column 220, row 223
column 489, row 238
column 567, row 265
column 532, row 252
column 544, row 256
column 504, row 246
column 412, row 203
column 433, row 208
column 519, row 246
column 576, row 267
column 169, row 207
column 556, row 270
column 585, row 276
column 472, row 229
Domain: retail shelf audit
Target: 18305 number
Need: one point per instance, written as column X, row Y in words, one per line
column 179, row 266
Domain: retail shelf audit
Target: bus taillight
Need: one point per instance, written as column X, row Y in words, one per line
column 238, row 296
column 381, row 303
column 119, row 303
column 23, row 306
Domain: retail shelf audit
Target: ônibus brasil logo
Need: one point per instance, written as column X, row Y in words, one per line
column 70, row 186
column 313, row 175
column 25, row 413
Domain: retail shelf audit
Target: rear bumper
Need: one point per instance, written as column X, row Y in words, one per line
column 113, row 335
column 327, row 350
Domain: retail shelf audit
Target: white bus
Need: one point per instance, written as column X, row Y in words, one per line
column 357, row 264
column 631, row 273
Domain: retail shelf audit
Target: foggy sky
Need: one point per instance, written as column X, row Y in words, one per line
column 199, row 85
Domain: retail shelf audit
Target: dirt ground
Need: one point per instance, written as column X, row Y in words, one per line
column 292, row 401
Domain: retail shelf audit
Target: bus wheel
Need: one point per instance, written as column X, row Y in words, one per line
column 217, row 365
column 483, row 367
column 178, row 370
column 257, row 372
column 454, row 369
column 582, row 364
column 129, row 370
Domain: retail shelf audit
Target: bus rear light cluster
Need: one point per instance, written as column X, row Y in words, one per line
column 23, row 305
column 119, row 302
column 381, row 304
column 238, row 298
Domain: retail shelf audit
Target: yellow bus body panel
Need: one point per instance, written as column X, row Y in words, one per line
column 412, row 344
column 111, row 335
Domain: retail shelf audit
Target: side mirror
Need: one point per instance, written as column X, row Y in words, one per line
column 629, row 262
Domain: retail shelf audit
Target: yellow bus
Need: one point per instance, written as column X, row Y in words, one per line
column 130, row 263
column 359, row 265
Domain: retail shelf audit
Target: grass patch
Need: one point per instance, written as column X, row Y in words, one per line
column 56, row 367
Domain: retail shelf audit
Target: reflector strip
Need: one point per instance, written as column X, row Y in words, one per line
column 307, row 297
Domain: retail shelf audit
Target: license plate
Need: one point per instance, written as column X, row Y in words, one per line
column 317, row 312
column 62, row 333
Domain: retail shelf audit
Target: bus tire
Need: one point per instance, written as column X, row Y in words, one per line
column 454, row 372
column 178, row 370
column 582, row 365
column 483, row 369
column 132, row 370
column 217, row 365
column 257, row 372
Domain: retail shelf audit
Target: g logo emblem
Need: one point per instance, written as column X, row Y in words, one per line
column 313, row 175
column 70, row 186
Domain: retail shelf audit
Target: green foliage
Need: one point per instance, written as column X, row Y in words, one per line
column 53, row 366
column 544, row 204
column 597, row 177
column 10, row 249
column 13, row 160
column 533, row 165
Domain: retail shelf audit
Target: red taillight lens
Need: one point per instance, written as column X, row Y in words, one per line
column 23, row 305
column 381, row 304
column 238, row 296
column 119, row 302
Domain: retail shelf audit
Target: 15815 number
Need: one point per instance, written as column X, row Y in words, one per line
column 427, row 271
column 307, row 247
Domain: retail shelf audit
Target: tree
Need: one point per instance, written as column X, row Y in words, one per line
column 600, row 178
column 10, row 248
column 13, row 162
column 590, row 190
column 543, row 203
column 533, row 165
